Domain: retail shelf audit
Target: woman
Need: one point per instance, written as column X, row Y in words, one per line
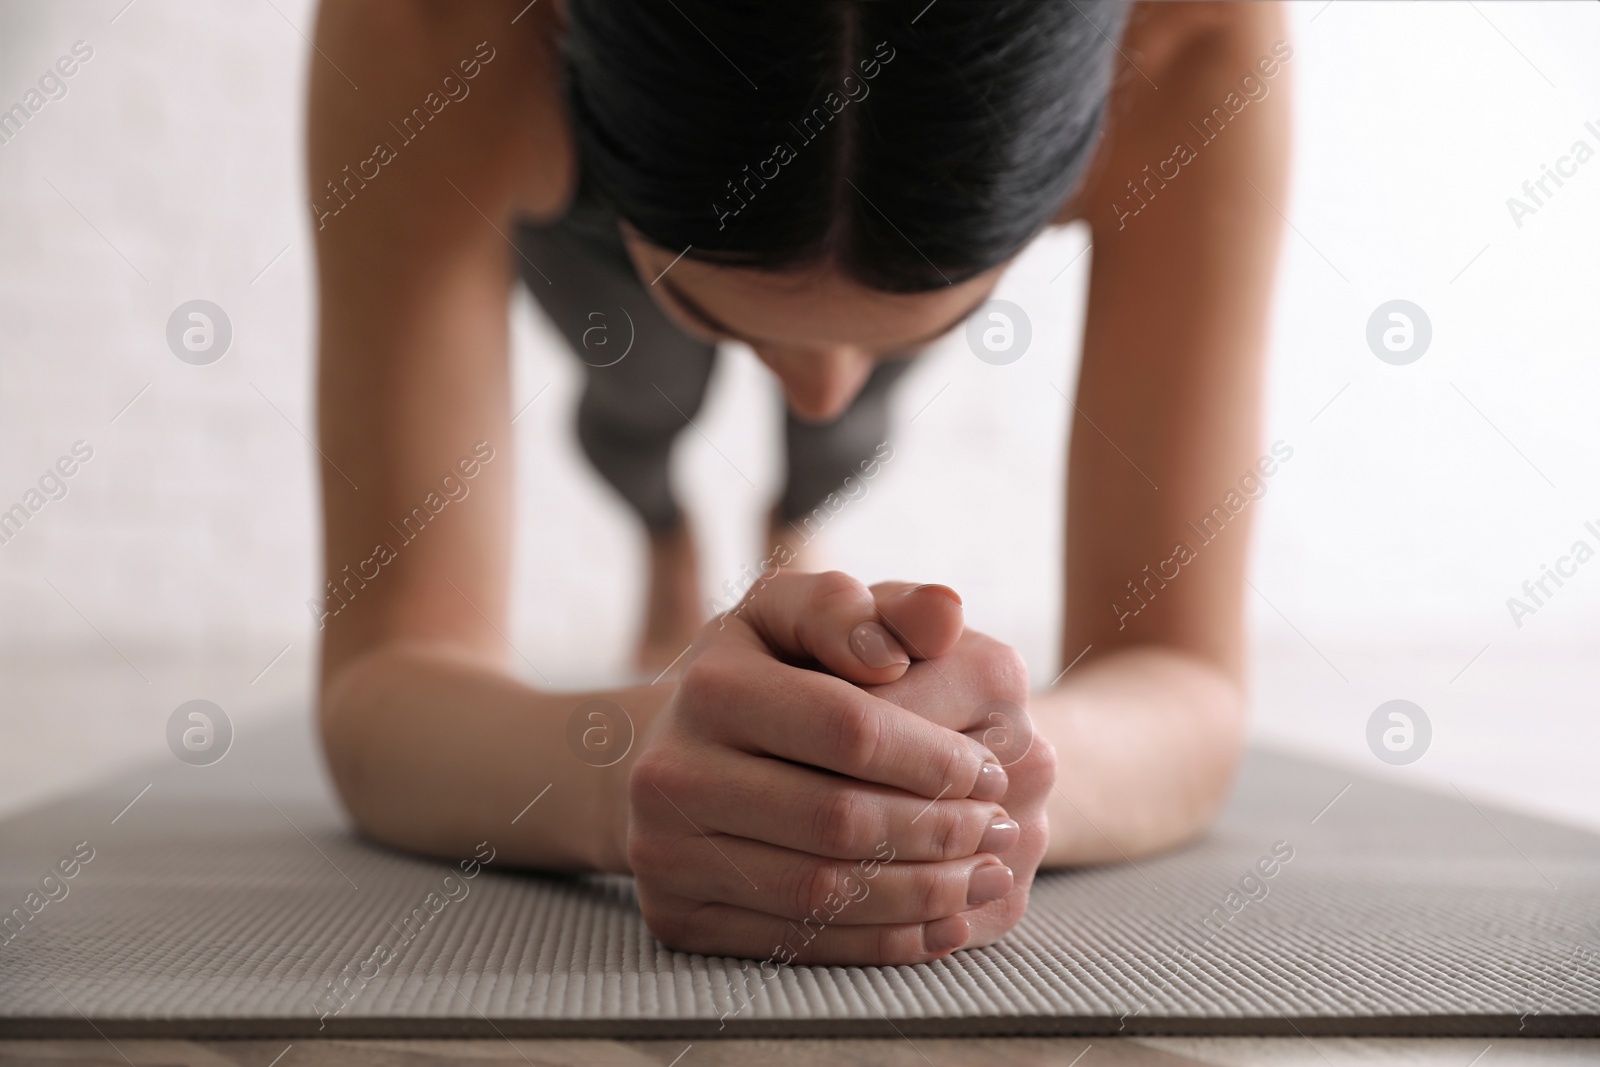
column 836, row 774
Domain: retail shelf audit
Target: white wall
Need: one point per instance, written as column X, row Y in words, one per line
column 1417, row 501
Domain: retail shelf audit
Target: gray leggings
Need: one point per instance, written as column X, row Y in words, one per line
column 633, row 408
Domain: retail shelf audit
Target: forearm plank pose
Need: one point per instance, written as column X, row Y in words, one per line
column 836, row 184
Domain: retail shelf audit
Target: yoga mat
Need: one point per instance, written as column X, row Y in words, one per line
column 232, row 900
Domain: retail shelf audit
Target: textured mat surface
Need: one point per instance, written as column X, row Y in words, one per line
column 231, row 900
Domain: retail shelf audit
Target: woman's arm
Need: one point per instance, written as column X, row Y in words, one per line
column 1183, row 209
column 432, row 742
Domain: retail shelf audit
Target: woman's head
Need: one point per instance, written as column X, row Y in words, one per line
column 877, row 160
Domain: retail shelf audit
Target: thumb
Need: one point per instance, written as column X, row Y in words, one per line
column 926, row 619
column 829, row 619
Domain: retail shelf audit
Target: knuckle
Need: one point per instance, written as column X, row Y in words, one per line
column 931, row 897
column 899, row 944
column 841, row 823
column 957, row 764
column 1036, row 770
column 834, row 588
column 646, row 854
column 1008, row 913
column 856, row 734
column 948, row 836
column 643, row 779
column 704, row 682
column 817, row 886
column 1006, row 672
column 1043, row 757
column 670, row 926
column 653, row 774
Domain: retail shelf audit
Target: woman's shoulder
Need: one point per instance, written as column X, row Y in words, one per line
column 474, row 85
column 1174, row 45
column 1161, row 30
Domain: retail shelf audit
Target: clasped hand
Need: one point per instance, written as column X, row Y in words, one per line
column 844, row 775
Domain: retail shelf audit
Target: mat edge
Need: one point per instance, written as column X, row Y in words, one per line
column 259, row 1028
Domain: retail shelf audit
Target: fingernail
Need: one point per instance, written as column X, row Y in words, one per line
column 988, row 883
column 1000, row 835
column 944, row 935
column 873, row 646
column 991, row 783
column 945, row 589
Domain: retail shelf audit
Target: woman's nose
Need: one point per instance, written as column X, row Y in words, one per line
column 819, row 385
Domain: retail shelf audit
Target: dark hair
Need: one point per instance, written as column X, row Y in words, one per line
column 912, row 145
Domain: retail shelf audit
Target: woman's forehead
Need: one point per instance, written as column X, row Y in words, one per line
column 824, row 310
column 812, row 305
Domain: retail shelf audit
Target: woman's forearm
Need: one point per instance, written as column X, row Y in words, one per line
column 435, row 751
column 1147, row 740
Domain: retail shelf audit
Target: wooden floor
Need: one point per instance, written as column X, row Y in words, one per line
column 891, row 1052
